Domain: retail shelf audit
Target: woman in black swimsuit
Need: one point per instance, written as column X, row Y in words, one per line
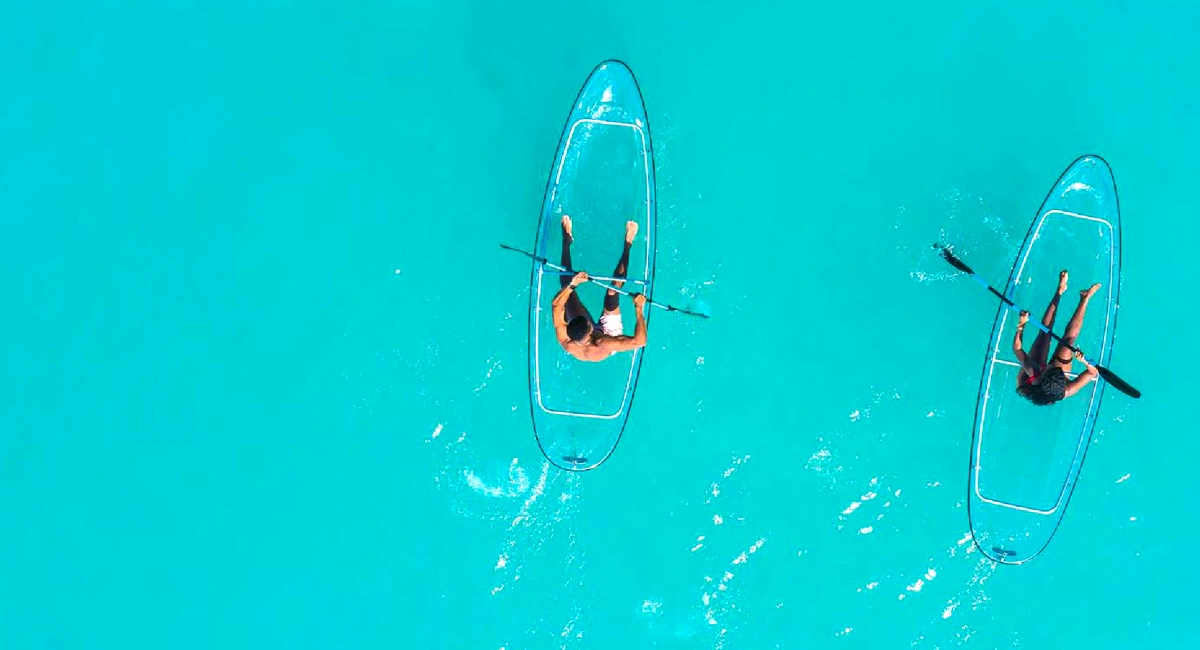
column 1042, row 378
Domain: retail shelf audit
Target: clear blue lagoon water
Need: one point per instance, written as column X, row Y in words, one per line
column 264, row 366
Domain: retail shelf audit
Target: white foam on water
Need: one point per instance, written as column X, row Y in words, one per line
column 741, row 559
column 528, row 508
column 822, row 463
column 492, row 368
column 946, row 613
column 939, row 584
column 518, row 483
column 972, row 593
column 736, row 463
column 715, row 486
column 718, row 596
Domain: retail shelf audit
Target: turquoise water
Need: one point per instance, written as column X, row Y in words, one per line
column 265, row 366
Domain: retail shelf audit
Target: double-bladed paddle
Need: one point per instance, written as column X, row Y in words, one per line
column 1108, row 375
column 556, row 267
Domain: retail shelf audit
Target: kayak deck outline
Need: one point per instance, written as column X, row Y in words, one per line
column 542, row 270
column 995, row 359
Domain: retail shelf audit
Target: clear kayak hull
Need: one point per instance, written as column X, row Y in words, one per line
column 1025, row 459
column 602, row 177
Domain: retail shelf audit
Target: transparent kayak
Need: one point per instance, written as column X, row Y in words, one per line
column 1025, row 459
column 602, row 176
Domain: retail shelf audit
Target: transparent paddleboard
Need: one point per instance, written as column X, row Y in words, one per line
column 603, row 177
column 1025, row 459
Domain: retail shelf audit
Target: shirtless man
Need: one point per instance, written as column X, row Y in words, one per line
column 582, row 337
column 1042, row 379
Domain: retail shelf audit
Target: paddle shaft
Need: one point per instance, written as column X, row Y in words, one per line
column 555, row 267
column 1017, row 308
column 1108, row 375
column 561, row 269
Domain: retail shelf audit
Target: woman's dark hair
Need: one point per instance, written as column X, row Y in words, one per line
column 578, row 328
column 1050, row 388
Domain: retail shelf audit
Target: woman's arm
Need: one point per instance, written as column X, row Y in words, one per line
column 1016, row 346
column 1086, row 377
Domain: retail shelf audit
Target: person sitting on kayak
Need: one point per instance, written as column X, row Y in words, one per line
column 582, row 337
column 1042, row 379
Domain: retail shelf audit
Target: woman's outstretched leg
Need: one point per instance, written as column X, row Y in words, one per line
column 1041, row 345
column 1063, row 353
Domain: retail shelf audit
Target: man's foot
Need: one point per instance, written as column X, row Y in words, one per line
column 566, row 226
column 1062, row 282
column 630, row 231
column 1087, row 293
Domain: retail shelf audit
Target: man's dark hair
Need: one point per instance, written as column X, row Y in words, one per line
column 578, row 328
column 1050, row 388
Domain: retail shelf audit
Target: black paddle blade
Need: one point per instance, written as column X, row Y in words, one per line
column 1118, row 383
column 954, row 261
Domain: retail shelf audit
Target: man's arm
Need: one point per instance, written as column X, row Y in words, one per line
column 627, row 343
column 1086, row 377
column 558, row 307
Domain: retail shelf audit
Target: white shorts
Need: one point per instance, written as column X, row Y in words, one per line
column 611, row 324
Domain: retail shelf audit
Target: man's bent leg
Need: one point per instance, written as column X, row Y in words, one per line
column 574, row 305
column 612, row 303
